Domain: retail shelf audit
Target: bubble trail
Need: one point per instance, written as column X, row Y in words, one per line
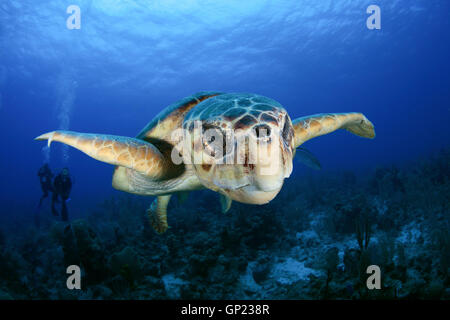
column 46, row 154
column 66, row 97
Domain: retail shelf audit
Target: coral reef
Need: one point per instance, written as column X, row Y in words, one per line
column 316, row 244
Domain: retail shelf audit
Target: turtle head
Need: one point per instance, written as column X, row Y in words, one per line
column 240, row 145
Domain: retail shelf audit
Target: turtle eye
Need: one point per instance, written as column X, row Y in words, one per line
column 262, row 131
column 214, row 141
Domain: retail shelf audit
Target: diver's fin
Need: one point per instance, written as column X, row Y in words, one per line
column 316, row 125
column 131, row 153
column 157, row 213
column 225, row 203
column 307, row 158
column 182, row 196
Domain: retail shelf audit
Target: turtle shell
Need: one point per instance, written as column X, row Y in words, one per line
column 231, row 106
column 172, row 117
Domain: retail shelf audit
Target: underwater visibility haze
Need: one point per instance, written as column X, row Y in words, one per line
column 110, row 67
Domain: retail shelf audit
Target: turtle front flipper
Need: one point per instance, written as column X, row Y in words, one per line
column 157, row 213
column 316, row 125
column 225, row 203
column 131, row 153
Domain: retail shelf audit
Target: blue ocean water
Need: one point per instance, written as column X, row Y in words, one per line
column 130, row 59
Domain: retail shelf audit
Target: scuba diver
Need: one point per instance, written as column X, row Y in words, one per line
column 61, row 189
column 45, row 178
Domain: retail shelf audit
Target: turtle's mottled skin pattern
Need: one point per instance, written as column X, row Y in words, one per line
column 127, row 152
column 323, row 123
column 144, row 165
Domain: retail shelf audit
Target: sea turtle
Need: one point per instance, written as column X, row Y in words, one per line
column 197, row 143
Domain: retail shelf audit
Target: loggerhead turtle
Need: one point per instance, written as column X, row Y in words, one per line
column 156, row 163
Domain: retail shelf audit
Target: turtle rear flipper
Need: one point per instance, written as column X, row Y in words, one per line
column 225, row 203
column 307, row 158
column 316, row 125
column 157, row 213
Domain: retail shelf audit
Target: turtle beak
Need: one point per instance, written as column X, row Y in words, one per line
column 265, row 176
column 273, row 164
column 270, row 174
